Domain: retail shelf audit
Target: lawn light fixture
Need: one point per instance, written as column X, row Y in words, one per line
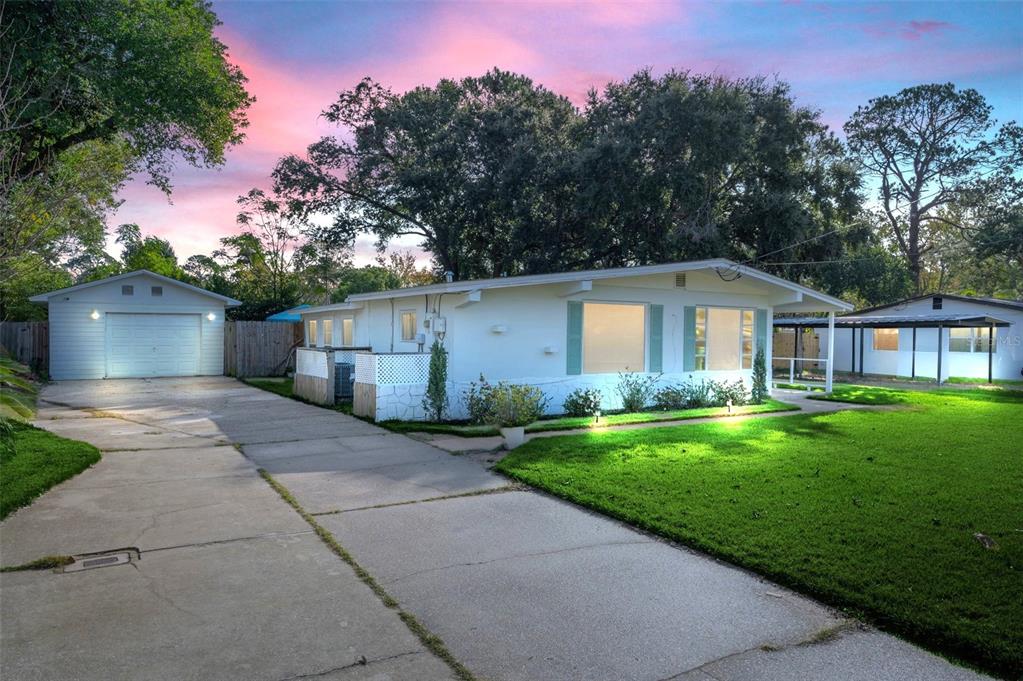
column 94, row 314
column 211, row 316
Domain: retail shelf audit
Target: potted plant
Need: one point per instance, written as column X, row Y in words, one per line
column 512, row 408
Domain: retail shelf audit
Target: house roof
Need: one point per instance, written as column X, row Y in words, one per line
column 45, row 297
column 732, row 269
column 292, row 314
column 892, row 321
column 994, row 302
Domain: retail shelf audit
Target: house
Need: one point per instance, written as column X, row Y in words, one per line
column 289, row 315
column 925, row 335
column 137, row 324
column 559, row 331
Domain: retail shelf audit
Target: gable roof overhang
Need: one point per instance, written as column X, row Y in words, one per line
column 802, row 298
column 993, row 302
column 45, row 297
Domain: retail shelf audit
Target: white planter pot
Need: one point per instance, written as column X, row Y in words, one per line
column 513, row 437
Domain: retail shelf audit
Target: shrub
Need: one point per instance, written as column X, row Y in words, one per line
column 672, row 397
column 724, row 391
column 515, row 405
column 759, row 392
column 583, row 402
column 435, row 401
column 635, row 390
column 478, row 400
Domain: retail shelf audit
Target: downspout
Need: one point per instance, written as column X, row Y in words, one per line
column 392, row 323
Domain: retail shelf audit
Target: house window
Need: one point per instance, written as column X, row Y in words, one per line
column 127, row 290
column 156, row 291
column 936, row 303
column 971, row 340
column 747, row 339
column 328, row 332
column 614, row 337
column 886, row 339
column 348, row 332
column 408, row 325
column 311, row 337
column 724, row 339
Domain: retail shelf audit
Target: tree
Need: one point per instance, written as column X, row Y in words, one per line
column 366, row 279
column 929, row 146
column 147, row 253
column 687, row 166
column 759, row 391
column 477, row 168
column 150, row 74
column 403, row 265
column 435, row 401
column 267, row 220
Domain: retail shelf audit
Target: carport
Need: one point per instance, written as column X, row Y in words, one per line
column 914, row 322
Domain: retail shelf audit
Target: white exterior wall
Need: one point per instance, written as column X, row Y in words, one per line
column 535, row 318
column 1006, row 362
column 78, row 342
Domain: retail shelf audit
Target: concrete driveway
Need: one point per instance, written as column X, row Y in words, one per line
column 232, row 584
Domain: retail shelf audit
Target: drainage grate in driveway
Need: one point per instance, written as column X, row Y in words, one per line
column 91, row 561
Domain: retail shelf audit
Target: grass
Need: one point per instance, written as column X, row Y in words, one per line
column 863, row 394
column 18, row 390
column 874, row 512
column 44, row 563
column 35, row 461
column 580, row 422
column 1006, row 382
column 285, row 388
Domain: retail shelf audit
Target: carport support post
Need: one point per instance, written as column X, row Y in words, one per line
column 861, row 351
column 990, row 351
column 939, row 352
column 829, row 371
column 795, row 347
column 852, row 350
column 912, row 371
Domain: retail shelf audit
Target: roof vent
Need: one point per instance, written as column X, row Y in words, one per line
column 936, row 303
column 680, row 280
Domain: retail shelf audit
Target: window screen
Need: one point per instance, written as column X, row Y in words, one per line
column 347, row 332
column 408, row 325
column 614, row 338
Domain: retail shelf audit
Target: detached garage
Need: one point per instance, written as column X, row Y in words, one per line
column 135, row 325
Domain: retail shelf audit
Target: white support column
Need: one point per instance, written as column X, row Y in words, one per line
column 829, row 371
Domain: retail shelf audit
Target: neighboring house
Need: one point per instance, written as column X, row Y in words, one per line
column 137, row 324
column 904, row 338
column 289, row 315
column 561, row 331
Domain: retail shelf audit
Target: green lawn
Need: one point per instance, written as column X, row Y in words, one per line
column 37, row 461
column 873, row 511
column 18, row 391
column 579, row 422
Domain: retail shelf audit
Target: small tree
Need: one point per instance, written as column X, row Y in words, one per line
column 435, row 401
column 759, row 391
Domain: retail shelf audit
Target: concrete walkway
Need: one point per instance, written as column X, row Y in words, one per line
column 460, row 445
column 232, row 585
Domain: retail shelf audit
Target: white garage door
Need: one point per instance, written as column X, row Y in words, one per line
column 141, row 345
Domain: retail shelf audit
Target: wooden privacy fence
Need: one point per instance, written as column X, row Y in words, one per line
column 260, row 348
column 28, row 343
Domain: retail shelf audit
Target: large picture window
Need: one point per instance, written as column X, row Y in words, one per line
column 724, row 339
column 614, row 337
column 886, row 339
column 971, row 340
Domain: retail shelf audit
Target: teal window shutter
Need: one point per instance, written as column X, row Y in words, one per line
column 760, row 332
column 574, row 345
column 689, row 338
column 656, row 343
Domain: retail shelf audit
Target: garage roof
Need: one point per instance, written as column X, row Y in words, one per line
column 45, row 297
column 892, row 321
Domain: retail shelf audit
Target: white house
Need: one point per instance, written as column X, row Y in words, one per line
column 137, row 324
column 916, row 336
column 561, row 331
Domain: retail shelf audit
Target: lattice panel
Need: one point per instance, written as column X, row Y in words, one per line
column 402, row 369
column 365, row 368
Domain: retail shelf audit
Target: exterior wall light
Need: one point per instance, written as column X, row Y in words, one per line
column 94, row 314
column 211, row 316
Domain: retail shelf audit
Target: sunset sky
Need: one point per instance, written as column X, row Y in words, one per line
column 835, row 55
